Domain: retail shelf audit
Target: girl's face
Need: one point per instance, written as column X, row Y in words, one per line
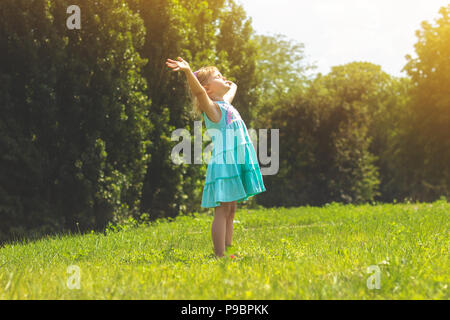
column 217, row 85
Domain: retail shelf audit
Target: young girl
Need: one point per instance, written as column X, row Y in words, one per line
column 233, row 174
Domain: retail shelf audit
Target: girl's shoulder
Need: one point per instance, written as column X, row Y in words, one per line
column 223, row 110
column 223, row 105
column 221, row 102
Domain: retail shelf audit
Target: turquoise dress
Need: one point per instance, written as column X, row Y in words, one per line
column 233, row 172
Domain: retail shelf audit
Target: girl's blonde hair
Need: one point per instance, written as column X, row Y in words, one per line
column 203, row 75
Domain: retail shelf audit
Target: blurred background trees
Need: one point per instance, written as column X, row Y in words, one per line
column 74, row 116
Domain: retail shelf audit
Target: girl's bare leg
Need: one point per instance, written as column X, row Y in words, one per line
column 229, row 224
column 218, row 227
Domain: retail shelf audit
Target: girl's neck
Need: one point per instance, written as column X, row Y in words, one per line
column 217, row 98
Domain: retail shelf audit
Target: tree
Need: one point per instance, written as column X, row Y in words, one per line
column 427, row 134
column 325, row 141
column 73, row 126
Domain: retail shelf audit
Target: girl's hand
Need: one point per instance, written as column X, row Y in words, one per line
column 178, row 65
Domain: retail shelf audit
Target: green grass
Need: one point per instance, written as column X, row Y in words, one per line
column 295, row 253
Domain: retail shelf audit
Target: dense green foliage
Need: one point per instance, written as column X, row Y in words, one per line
column 296, row 253
column 357, row 134
column 87, row 115
column 426, row 134
column 74, row 126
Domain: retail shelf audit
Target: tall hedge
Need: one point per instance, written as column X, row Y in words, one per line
column 73, row 125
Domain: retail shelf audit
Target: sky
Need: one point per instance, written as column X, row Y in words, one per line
column 336, row 32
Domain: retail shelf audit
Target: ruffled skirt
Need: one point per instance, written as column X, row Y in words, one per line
column 232, row 175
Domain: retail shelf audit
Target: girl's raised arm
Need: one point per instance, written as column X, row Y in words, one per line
column 193, row 82
column 205, row 103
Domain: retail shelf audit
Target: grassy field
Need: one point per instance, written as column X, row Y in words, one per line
column 295, row 253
